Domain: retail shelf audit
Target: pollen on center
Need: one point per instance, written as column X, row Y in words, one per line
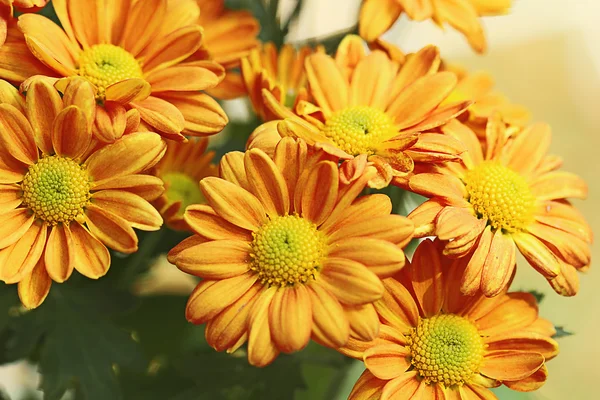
column 287, row 250
column 359, row 129
column 106, row 64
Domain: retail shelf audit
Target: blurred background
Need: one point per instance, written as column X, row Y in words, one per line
column 544, row 55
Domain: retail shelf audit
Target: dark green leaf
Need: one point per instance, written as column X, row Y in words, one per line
column 539, row 296
column 561, row 332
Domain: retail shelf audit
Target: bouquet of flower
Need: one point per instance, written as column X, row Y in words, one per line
column 371, row 207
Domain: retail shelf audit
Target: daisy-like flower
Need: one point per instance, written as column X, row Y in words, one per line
column 132, row 53
column 436, row 343
column 506, row 194
column 377, row 16
column 369, row 111
column 281, row 74
column 286, row 252
column 479, row 87
column 182, row 167
column 229, row 36
column 63, row 198
column 7, row 8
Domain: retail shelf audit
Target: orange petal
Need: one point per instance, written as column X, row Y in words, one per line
column 261, row 348
column 70, row 134
column 10, row 197
column 364, row 208
column 499, row 264
column 528, row 149
column 387, row 361
column 127, row 156
column 92, row 258
column 327, row 85
column 420, row 98
column 376, row 17
column 43, row 105
column 142, row 24
column 211, row 297
column 59, row 256
column 349, row 53
column 566, row 283
column 426, row 276
column 367, row 387
column 391, row 228
column 514, row 312
column 233, row 203
column 381, row 257
column 463, row 17
column 182, row 78
column 424, row 217
column 471, row 280
column 231, row 168
column 111, row 122
column 474, row 155
column 79, row 92
column 128, row 90
column 319, row 192
column 330, row 325
column 371, row 81
column 471, row 392
column 290, row 318
column 13, row 226
column 34, row 287
column 433, row 147
column 266, row 182
column 401, row 388
column 16, row 135
column 400, row 308
column 559, row 185
column 531, row 383
column 173, row 48
column 86, row 21
column 10, row 95
column 131, row 207
column 538, row 254
column 364, row 321
column 146, row 186
column 203, row 220
column 422, row 63
column 446, row 187
column 290, row 156
column 111, row 229
column 571, row 249
column 351, row 282
column 219, row 259
column 230, row 325
column 524, row 341
column 57, row 51
column 453, row 222
column 511, row 364
column 161, row 115
column 18, row 259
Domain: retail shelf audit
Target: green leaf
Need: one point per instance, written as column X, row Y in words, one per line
column 77, row 344
column 539, row 296
column 561, row 332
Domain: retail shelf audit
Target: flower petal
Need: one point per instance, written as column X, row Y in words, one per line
column 142, row 24
column 18, row 259
column 524, row 341
column 128, row 90
column 111, row 229
column 146, row 186
column 261, row 348
column 531, row 383
column 92, row 258
column 219, row 259
column 13, row 225
column 290, row 318
column 59, row 257
column 376, row 17
column 182, row 78
column 127, row 156
column 43, row 104
column 172, row 48
column 330, row 325
column 367, row 387
column 320, row 192
column 446, row 187
column 351, row 282
column 212, row 297
column 161, row 115
column 266, row 182
column 327, row 85
column 422, row 63
column 387, row 361
column 71, row 136
column 537, row 254
column 557, row 185
column 499, row 264
column 16, row 135
column 233, row 203
column 391, row 228
column 511, row 364
column 111, row 122
column 514, row 312
column 401, row 388
column 528, row 149
column 364, row 321
column 426, row 276
column 10, row 197
column 34, row 287
column 131, row 207
column 203, row 220
column 381, row 257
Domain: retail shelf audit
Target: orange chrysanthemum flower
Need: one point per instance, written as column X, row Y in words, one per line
column 377, row 16
column 182, row 167
column 436, row 343
column 504, row 195
column 6, row 12
column 478, row 87
column 229, row 36
column 368, row 110
column 64, row 198
column 281, row 74
column 133, row 55
column 286, row 252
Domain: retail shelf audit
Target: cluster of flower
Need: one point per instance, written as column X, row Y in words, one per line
column 114, row 106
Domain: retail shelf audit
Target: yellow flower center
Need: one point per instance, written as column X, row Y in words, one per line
column 446, row 349
column 56, row 189
column 359, row 129
column 181, row 187
column 501, row 195
column 287, row 250
column 106, row 64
